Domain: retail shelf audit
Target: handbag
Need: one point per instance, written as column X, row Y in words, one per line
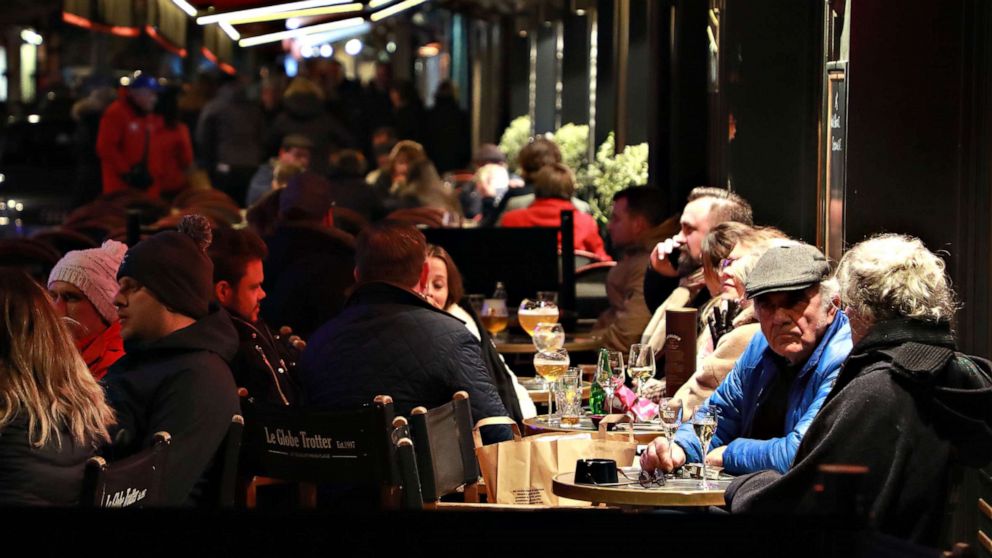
column 138, row 176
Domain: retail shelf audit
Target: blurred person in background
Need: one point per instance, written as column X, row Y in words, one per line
column 348, row 187
column 228, row 138
column 448, row 130
column 124, row 140
column 294, row 149
column 383, row 140
column 408, row 111
column 52, row 412
column 304, row 113
column 404, row 155
column 82, row 286
column 87, row 113
column 170, row 158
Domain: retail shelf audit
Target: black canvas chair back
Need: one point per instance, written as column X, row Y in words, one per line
column 224, row 472
column 351, row 447
column 445, row 449
column 136, row 481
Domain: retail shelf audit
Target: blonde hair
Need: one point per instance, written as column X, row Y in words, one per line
column 42, row 375
column 757, row 241
column 894, row 276
column 282, row 172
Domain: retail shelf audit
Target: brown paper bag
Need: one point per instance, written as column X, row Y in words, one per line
column 521, row 471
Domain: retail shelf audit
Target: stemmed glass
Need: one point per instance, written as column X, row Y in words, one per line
column 669, row 415
column 609, row 373
column 549, row 336
column 704, row 422
column 494, row 315
column 640, row 365
column 533, row 312
column 551, row 365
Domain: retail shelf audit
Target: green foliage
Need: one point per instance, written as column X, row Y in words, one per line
column 612, row 173
column 515, row 137
column 573, row 141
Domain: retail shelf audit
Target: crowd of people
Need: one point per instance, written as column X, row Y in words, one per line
column 326, row 294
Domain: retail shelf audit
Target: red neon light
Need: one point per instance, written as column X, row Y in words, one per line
column 118, row 30
column 164, row 42
column 224, row 66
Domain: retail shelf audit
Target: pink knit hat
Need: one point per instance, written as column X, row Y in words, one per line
column 94, row 272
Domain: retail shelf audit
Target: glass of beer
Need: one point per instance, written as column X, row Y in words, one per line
column 551, row 365
column 533, row 312
column 494, row 315
column 549, row 336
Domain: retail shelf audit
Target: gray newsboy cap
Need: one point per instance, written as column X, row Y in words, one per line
column 787, row 268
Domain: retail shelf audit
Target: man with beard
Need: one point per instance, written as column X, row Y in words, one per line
column 674, row 285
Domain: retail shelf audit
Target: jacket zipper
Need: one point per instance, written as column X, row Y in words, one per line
column 265, row 359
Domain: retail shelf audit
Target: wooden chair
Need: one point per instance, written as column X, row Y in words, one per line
column 445, row 451
column 309, row 448
column 137, row 481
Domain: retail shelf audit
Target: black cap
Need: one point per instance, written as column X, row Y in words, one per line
column 787, row 268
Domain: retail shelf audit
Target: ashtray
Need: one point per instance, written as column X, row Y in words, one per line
column 595, row 419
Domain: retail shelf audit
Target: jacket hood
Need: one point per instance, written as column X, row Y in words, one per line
column 958, row 388
column 214, row 333
column 303, row 105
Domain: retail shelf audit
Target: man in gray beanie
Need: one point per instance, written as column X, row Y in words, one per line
column 781, row 380
column 175, row 376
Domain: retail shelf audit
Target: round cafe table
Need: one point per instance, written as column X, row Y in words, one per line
column 643, row 433
column 675, row 493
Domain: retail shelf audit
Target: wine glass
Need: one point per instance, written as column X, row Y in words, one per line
column 669, row 415
column 704, row 422
column 494, row 315
column 551, row 365
column 640, row 365
column 533, row 312
column 609, row 374
column 549, row 336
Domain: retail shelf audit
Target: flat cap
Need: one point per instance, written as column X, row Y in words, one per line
column 787, row 268
column 290, row 141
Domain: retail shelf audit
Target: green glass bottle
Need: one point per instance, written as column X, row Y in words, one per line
column 597, row 396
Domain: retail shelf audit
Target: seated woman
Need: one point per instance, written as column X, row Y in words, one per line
column 82, row 286
column 730, row 251
column 905, row 405
column 554, row 185
column 52, row 411
column 444, row 291
column 404, row 155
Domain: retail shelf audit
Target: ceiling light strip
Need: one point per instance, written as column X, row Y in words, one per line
column 230, row 30
column 393, row 10
column 186, row 7
column 302, row 31
column 378, row 3
column 310, row 12
column 272, row 9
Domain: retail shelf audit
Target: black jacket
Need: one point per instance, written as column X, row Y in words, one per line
column 181, row 384
column 905, row 405
column 265, row 364
column 390, row 341
column 307, row 274
column 46, row 476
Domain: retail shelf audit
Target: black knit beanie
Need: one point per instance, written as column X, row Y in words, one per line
column 174, row 265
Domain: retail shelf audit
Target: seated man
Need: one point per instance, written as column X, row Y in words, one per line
column 906, row 405
column 295, row 150
column 175, row 376
column 82, row 286
column 265, row 364
column 389, row 340
column 779, row 383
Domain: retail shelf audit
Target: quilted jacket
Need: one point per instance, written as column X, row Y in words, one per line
column 389, row 341
column 741, row 393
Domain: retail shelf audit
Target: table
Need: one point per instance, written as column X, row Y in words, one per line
column 643, row 433
column 676, row 493
column 522, row 344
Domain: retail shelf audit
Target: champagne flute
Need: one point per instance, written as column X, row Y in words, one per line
column 704, row 422
column 609, row 372
column 669, row 410
column 640, row 366
column 494, row 315
column 549, row 336
column 551, row 365
column 533, row 312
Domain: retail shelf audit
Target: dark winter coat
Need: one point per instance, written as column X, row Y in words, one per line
column 180, row 384
column 307, row 274
column 305, row 114
column 46, row 476
column 389, row 341
column 905, row 405
column 265, row 364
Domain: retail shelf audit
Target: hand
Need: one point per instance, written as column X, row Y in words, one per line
column 653, row 389
column 721, row 322
column 715, row 457
column 659, row 257
column 656, row 456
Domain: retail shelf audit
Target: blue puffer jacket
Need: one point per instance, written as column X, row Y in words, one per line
column 740, row 394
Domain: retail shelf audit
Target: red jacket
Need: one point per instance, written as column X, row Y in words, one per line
column 546, row 212
column 170, row 156
column 121, row 142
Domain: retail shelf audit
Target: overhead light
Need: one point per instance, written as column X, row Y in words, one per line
column 230, row 30
column 326, row 50
column 264, row 10
column 310, row 12
column 580, row 12
column 306, row 51
column 30, row 37
column 340, row 35
column 302, row 31
column 429, row 50
column 293, row 23
column 395, row 9
column 353, row 47
column 186, row 7
column 125, row 81
column 378, row 3
column 391, row 47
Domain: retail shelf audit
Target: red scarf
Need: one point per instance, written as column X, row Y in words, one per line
column 100, row 351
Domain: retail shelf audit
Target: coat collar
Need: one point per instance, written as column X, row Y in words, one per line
column 378, row 292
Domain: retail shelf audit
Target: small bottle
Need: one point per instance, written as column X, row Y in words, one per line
column 500, row 291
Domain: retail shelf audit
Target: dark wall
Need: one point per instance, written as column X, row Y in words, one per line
column 575, row 71
column 544, row 120
column 772, row 66
column 917, row 138
column 517, row 64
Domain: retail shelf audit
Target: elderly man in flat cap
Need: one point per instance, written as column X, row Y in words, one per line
column 779, row 383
